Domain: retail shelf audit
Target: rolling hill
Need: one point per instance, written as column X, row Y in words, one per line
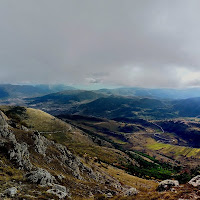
column 112, row 106
column 187, row 107
column 117, row 106
column 67, row 97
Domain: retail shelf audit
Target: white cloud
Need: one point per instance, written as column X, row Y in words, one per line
column 128, row 43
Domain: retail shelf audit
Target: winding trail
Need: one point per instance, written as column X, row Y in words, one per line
column 157, row 135
column 160, row 136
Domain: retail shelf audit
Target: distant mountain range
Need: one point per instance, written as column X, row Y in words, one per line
column 19, row 91
column 13, row 91
column 92, row 103
column 154, row 93
column 107, row 103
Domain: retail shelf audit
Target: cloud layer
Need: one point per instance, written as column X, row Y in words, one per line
column 129, row 43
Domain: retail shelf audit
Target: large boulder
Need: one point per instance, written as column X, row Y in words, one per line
column 11, row 192
column 40, row 176
column 167, row 185
column 195, row 181
column 20, row 155
column 130, row 192
column 59, row 190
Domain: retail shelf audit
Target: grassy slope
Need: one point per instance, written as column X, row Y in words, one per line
column 71, row 137
column 55, row 129
column 133, row 181
column 42, row 121
column 79, row 143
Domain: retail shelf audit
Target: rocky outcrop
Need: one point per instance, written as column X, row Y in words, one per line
column 167, row 185
column 39, row 142
column 7, row 136
column 70, row 160
column 60, row 191
column 81, row 171
column 18, row 152
column 20, row 155
column 3, row 122
column 74, row 164
column 195, row 181
column 40, row 176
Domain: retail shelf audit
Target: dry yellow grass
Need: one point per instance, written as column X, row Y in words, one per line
column 43, row 121
column 129, row 180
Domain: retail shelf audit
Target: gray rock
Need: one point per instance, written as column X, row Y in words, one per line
column 7, row 135
column 20, row 155
column 17, row 152
column 61, row 177
column 130, row 192
column 3, row 122
column 71, row 161
column 195, row 181
column 59, row 190
column 90, row 195
column 11, row 192
column 40, row 176
column 167, row 185
column 39, row 142
column 24, row 128
column 109, row 195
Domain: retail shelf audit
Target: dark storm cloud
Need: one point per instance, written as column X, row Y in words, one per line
column 131, row 43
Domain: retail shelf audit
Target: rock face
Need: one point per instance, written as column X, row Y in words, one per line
column 59, row 190
column 18, row 152
column 7, row 136
column 39, row 142
column 195, row 181
column 79, row 170
column 20, row 155
column 74, row 164
column 167, row 185
column 70, row 160
column 40, row 176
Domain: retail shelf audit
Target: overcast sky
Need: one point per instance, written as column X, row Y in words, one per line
column 154, row 43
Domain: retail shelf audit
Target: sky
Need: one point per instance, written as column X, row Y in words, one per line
column 129, row 43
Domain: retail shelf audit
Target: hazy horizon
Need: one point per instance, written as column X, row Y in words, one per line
column 99, row 86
